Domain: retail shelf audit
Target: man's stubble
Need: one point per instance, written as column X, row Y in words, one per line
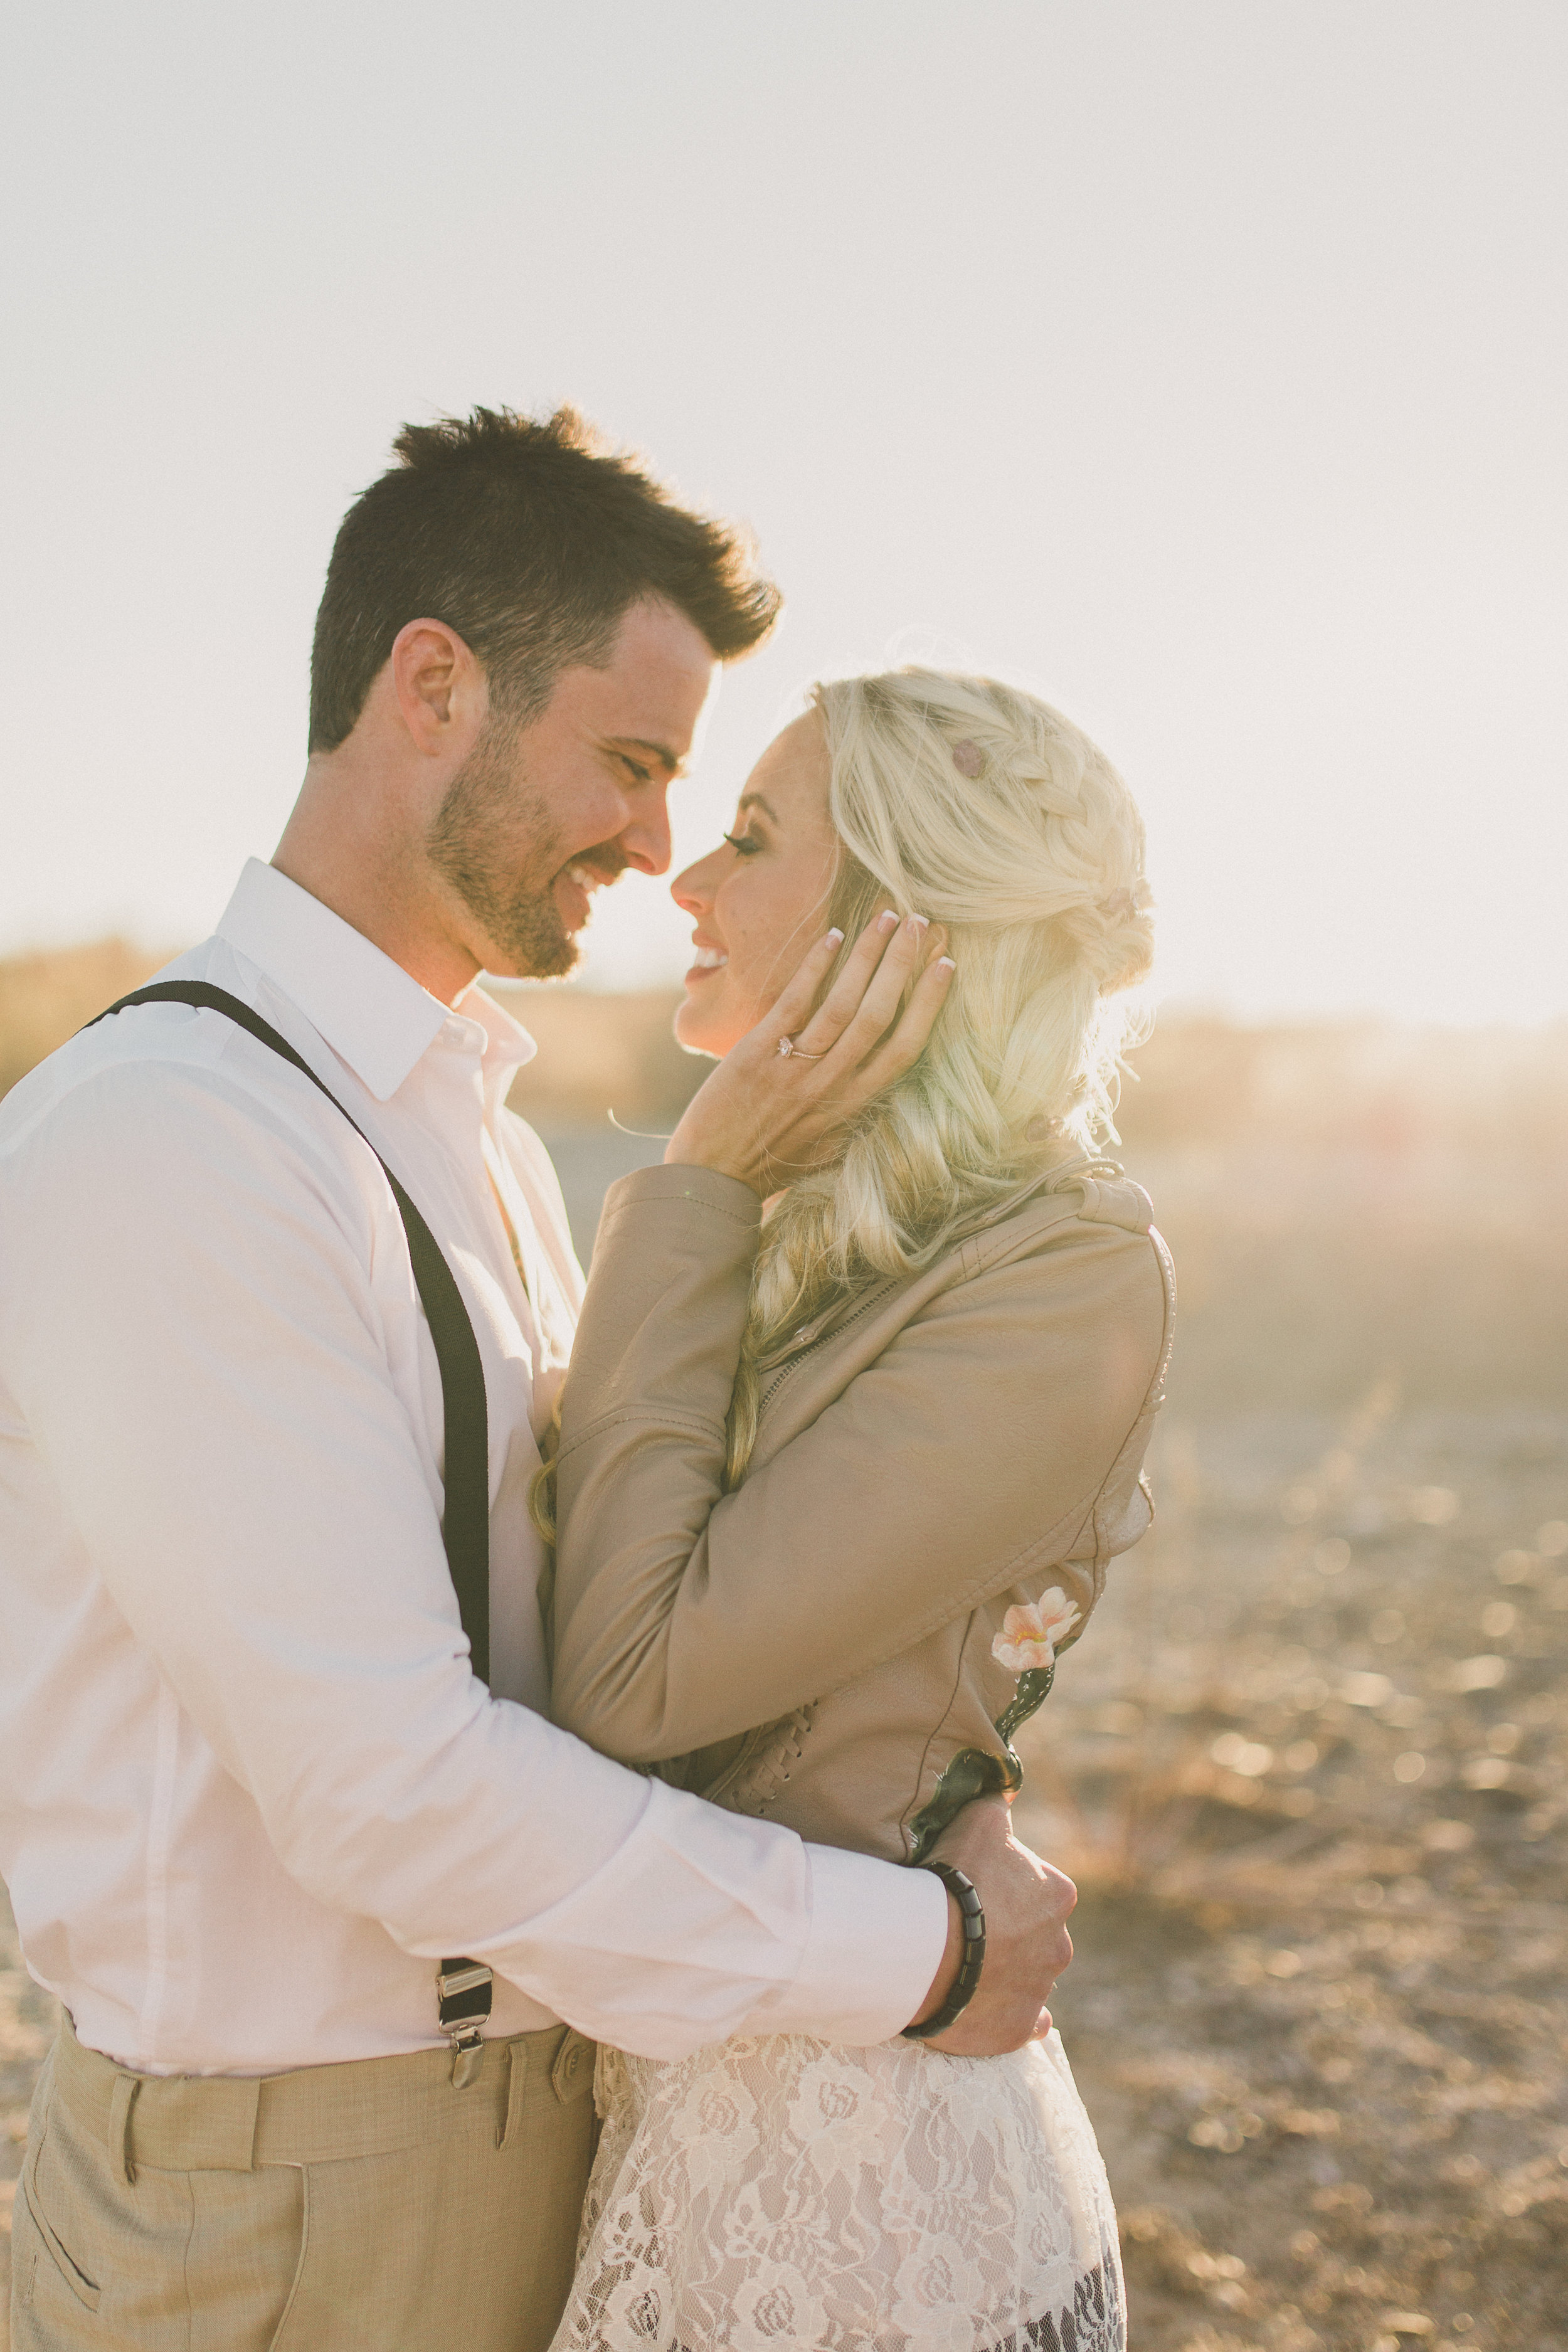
column 493, row 841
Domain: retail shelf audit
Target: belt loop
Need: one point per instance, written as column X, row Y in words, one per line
column 119, row 2159
column 516, row 2085
column 256, row 2085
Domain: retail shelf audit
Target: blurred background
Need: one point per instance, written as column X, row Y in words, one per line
column 1202, row 366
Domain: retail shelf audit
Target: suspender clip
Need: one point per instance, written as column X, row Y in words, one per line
column 464, row 1992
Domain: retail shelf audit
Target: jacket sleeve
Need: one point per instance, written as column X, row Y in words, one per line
column 968, row 1454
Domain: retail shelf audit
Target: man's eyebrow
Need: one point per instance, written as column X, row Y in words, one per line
column 756, row 799
column 668, row 760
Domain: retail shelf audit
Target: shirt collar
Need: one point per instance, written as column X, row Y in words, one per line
column 506, row 1043
column 373, row 1014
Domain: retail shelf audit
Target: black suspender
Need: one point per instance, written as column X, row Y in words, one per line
column 463, row 1986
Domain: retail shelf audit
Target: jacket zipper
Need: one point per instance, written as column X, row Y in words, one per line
column 820, row 1341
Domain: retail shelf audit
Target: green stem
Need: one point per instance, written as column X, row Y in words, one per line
column 975, row 1772
column 1034, row 1688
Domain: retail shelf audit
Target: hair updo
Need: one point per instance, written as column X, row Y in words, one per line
column 978, row 805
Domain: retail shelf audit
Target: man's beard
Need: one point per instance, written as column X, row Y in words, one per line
column 490, row 822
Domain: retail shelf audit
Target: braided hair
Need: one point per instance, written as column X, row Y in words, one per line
column 979, row 806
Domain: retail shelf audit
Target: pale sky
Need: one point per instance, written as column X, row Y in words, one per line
column 1202, row 366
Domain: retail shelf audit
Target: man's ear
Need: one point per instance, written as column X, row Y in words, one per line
column 439, row 686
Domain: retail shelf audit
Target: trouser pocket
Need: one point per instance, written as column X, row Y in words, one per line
column 56, row 2228
column 87, row 2290
column 146, row 2258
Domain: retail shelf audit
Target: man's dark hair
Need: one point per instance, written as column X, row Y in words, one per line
column 532, row 540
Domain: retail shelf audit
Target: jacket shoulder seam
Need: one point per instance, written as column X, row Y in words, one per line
column 690, row 1425
column 685, row 1197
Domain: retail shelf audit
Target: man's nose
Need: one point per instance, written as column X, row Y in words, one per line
column 645, row 843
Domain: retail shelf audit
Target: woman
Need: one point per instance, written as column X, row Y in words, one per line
column 830, row 1478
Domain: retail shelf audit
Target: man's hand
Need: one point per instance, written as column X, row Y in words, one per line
column 1026, row 1941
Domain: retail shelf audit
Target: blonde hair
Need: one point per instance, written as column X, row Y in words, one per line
column 979, row 806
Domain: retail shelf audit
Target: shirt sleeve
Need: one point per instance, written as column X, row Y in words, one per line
column 190, row 1329
column 968, row 1455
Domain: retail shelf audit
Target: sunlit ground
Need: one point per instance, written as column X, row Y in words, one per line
column 1309, row 1767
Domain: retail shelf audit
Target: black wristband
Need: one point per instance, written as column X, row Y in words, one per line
column 966, row 1982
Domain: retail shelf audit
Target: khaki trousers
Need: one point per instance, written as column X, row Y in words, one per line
column 362, row 2208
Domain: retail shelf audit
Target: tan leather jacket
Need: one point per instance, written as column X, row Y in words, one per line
column 816, row 1646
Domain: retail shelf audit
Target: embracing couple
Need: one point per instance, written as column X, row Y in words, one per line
column 509, row 1786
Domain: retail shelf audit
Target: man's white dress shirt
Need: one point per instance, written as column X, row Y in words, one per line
column 250, row 1790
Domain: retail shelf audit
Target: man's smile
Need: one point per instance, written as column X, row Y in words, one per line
column 574, row 885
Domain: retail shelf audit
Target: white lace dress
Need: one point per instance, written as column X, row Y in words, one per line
column 786, row 2195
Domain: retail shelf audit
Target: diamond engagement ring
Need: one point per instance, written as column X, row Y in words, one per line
column 788, row 1046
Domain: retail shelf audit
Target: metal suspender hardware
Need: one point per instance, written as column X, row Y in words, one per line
column 463, row 1990
column 463, row 1986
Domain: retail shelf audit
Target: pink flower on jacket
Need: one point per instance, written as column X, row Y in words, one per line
column 1030, row 1633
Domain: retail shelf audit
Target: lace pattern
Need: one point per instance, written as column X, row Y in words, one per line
column 785, row 2195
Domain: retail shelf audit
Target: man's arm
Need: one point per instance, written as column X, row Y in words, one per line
column 189, row 1324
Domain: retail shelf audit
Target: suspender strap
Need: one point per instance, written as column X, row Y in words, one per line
column 464, row 1999
column 465, row 1519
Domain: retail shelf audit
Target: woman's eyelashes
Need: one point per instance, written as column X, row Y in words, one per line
column 746, row 844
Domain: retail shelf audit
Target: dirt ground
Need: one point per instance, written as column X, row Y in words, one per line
column 1307, row 1767
column 26, row 2028
column 1309, row 1761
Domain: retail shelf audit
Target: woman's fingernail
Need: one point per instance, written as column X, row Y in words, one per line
column 919, row 923
column 834, row 940
column 887, row 920
column 945, row 963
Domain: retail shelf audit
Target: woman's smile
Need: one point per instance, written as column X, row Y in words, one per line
column 761, row 898
column 707, row 959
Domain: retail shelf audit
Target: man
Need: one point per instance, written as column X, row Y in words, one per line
column 252, row 1791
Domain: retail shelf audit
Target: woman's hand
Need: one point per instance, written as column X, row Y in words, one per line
column 765, row 1117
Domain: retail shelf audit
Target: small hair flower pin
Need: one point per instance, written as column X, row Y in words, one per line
column 1125, row 905
column 1029, row 1635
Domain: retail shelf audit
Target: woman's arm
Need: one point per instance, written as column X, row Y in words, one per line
column 967, row 1455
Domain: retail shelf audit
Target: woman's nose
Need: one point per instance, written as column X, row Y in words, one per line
column 693, row 888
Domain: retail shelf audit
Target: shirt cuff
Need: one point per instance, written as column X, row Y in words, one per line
column 875, row 1941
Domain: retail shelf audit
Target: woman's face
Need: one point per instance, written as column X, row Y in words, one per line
column 761, row 898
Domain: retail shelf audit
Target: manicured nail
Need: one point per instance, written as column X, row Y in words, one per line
column 945, row 963
column 887, row 920
column 834, row 940
column 919, row 923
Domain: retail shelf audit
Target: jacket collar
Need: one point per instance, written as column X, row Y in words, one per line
column 373, row 1014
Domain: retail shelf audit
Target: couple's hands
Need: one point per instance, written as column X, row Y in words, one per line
column 767, row 1117
column 1026, row 1942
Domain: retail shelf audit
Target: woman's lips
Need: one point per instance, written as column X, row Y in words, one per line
column 707, row 962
